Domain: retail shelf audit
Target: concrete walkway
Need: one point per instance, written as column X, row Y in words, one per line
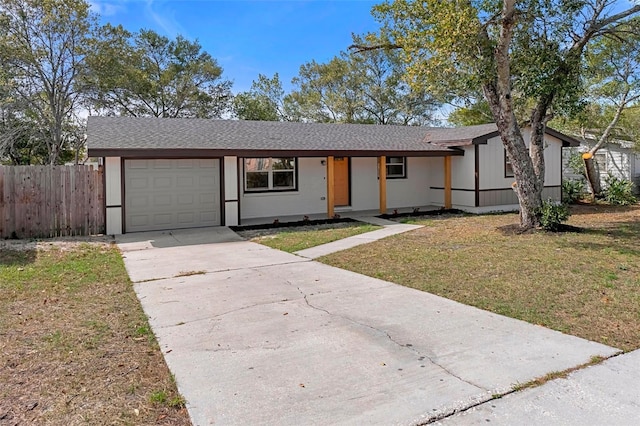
column 388, row 228
column 255, row 335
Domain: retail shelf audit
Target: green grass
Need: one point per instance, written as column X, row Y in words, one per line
column 291, row 241
column 75, row 339
column 586, row 284
column 162, row 397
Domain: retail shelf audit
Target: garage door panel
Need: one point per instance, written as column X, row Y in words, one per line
column 207, row 180
column 138, row 164
column 138, row 203
column 139, row 183
column 163, row 219
column 187, row 163
column 207, row 199
column 161, row 182
column 138, row 220
column 167, row 194
column 185, row 182
column 209, row 216
column 161, row 164
column 186, row 200
column 186, row 218
column 162, row 200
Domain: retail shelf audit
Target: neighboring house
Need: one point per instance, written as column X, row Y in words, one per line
column 180, row 173
column 618, row 158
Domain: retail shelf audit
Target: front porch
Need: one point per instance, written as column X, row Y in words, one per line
column 345, row 187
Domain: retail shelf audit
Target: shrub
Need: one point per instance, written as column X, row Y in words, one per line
column 619, row 191
column 552, row 215
column 572, row 190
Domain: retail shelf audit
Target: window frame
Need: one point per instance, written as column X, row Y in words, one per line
column 404, row 168
column 270, row 175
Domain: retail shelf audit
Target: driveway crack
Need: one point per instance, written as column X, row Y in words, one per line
column 389, row 337
column 210, row 317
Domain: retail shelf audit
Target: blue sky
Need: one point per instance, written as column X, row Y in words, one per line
column 250, row 37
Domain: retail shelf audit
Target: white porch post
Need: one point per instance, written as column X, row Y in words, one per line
column 231, row 195
column 113, row 195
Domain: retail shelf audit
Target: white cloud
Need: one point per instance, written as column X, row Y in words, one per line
column 164, row 18
column 106, row 8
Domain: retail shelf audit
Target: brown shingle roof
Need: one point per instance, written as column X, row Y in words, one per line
column 130, row 136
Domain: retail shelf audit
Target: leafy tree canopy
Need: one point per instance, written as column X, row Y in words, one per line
column 146, row 74
column 265, row 101
column 365, row 87
column 43, row 46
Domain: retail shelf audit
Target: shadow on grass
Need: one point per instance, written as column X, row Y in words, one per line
column 586, row 209
column 622, row 237
column 10, row 257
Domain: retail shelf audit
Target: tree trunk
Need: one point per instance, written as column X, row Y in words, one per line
column 498, row 95
column 591, row 172
column 528, row 190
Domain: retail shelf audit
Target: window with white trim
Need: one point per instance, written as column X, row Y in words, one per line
column 396, row 167
column 270, row 174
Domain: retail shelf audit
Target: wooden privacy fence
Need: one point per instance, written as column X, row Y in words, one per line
column 51, row 201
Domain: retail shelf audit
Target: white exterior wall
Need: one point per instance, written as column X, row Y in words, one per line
column 310, row 198
column 113, row 195
column 414, row 190
column 492, row 163
column 365, row 191
column 635, row 171
column 618, row 163
column 462, row 180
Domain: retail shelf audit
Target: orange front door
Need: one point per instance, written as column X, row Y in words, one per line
column 341, row 181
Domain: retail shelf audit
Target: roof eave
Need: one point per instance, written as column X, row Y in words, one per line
column 217, row 153
column 567, row 141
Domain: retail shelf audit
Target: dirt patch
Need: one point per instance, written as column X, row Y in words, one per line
column 62, row 243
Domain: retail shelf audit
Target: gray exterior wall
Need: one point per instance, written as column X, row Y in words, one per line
column 499, row 197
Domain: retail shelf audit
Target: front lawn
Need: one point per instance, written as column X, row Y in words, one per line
column 75, row 345
column 586, row 284
column 294, row 239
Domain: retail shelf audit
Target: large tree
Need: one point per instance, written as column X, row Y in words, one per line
column 364, row 88
column 612, row 79
column 516, row 53
column 42, row 50
column 327, row 92
column 147, row 74
column 265, row 101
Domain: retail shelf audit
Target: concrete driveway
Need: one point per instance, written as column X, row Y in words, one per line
column 258, row 336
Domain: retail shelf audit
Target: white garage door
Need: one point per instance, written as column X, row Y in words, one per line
column 171, row 194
